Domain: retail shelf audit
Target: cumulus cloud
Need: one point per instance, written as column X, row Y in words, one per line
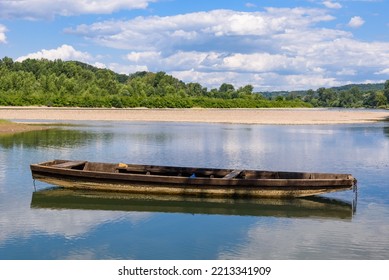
column 143, row 56
column 267, row 81
column 64, row 52
column 217, row 29
column 260, row 70
column 34, row 9
column 206, row 61
column 3, row 38
column 332, row 5
column 280, row 46
column 126, row 69
column 356, row 22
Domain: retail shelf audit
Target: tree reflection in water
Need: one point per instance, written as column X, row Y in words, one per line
column 51, row 138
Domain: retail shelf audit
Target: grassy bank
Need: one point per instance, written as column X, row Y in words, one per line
column 8, row 127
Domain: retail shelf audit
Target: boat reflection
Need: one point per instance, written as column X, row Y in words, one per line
column 312, row 207
column 386, row 130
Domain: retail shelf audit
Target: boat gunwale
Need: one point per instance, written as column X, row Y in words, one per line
column 48, row 164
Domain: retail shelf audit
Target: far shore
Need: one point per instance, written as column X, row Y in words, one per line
column 272, row 116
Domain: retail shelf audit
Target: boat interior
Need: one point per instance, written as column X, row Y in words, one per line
column 187, row 171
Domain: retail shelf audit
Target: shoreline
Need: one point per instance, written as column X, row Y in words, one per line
column 12, row 128
column 274, row 116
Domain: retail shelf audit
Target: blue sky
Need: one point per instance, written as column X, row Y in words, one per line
column 272, row 45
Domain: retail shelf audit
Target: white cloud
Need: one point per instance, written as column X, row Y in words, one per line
column 64, row 52
column 214, row 79
column 250, row 5
column 383, row 72
column 177, row 61
column 315, row 238
column 198, row 30
column 60, row 222
column 332, row 5
column 356, row 22
column 127, row 69
column 260, row 81
column 259, row 62
column 34, row 9
column 3, row 38
column 346, row 72
column 99, row 65
column 142, row 56
column 283, row 47
column 213, row 61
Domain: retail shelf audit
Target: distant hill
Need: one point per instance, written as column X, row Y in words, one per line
column 361, row 87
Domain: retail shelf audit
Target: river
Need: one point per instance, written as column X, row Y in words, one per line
column 38, row 221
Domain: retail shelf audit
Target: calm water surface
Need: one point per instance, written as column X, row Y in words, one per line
column 53, row 224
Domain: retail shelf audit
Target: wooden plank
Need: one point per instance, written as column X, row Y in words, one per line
column 69, row 164
column 232, row 174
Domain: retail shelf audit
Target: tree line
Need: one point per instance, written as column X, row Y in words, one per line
column 348, row 96
column 72, row 83
column 353, row 97
column 75, row 84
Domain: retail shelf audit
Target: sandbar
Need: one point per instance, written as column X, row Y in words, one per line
column 11, row 128
column 233, row 116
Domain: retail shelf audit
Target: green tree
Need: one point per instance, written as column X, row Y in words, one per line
column 310, row 94
column 195, row 89
column 327, row 97
column 374, row 99
column 7, row 62
column 380, row 99
column 246, row 90
column 226, row 88
column 386, row 90
column 72, row 83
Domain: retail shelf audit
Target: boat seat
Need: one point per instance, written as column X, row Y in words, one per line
column 69, row 164
column 233, row 174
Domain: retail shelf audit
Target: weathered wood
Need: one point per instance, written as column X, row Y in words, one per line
column 69, row 164
column 173, row 170
column 178, row 180
column 232, row 174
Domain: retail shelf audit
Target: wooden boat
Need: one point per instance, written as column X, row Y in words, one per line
column 315, row 207
column 172, row 180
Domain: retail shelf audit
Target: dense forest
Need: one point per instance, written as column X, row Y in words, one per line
column 350, row 96
column 72, row 83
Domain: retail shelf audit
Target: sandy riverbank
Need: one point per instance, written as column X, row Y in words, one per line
column 11, row 128
column 244, row 116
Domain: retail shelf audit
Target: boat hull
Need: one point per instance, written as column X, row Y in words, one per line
column 131, row 182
